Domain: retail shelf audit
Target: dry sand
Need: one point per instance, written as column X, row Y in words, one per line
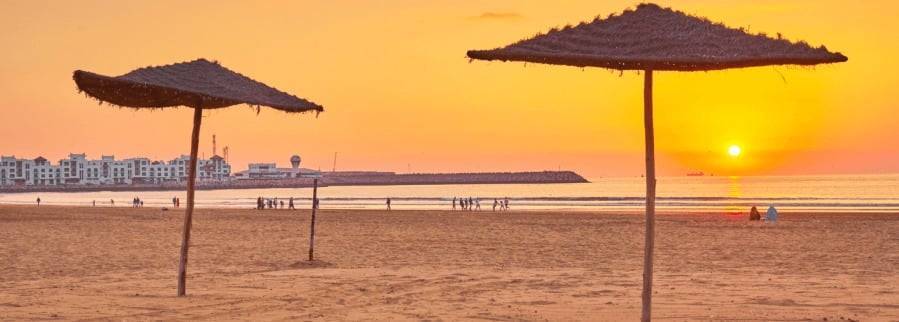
column 77, row 263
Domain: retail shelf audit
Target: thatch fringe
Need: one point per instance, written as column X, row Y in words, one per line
column 198, row 83
column 653, row 38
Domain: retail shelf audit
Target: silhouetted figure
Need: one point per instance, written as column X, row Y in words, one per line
column 388, row 203
column 754, row 214
column 495, row 203
column 38, row 201
column 290, row 203
column 454, row 203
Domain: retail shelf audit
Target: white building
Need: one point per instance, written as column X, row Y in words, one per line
column 77, row 170
column 271, row 171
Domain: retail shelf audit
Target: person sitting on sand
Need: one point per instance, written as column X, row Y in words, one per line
column 754, row 214
column 772, row 214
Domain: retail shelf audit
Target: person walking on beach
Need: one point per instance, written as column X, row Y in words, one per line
column 477, row 204
column 506, row 203
column 495, row 203
column 174, row 201
column 111, row 202
column 259, row 203
column 388, row 203
column 93, row 203
column 177, row 202
column 38, row 201
column 454, row 203
column 290, row 203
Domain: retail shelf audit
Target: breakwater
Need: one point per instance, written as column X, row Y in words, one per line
column 344, row 178
column 390, row 178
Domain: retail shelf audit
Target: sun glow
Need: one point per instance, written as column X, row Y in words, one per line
column 733, row 150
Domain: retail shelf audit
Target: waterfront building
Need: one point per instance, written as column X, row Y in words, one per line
column 270, row 171
column 78, row 170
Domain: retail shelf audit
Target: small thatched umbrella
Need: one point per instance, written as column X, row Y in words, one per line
column 200, row 84
column 652, row 38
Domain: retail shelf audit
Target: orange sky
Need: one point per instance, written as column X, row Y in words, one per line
column 400, row 94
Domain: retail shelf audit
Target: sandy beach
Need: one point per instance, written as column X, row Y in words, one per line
column 106, row 263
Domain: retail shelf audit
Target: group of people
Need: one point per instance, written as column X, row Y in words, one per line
column 274, row 203
column 467, row 204
column 770, row 215
column 472, row 204
column 137, row 203
column 176, row 202
column 503, row 205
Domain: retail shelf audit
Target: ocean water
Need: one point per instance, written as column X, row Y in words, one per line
column 726, row 194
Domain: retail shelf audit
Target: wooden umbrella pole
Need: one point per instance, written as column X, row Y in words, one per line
column 191, row 178
column 650, row 197
column 312, row 228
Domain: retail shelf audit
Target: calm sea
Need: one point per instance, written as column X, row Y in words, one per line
column 819, row 193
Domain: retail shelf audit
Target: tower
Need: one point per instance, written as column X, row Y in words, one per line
column 295, row 164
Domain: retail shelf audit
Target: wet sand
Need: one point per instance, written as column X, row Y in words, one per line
column 105, row 263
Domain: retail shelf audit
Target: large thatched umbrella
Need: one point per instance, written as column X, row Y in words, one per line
column 654, row 38
column 200, row 84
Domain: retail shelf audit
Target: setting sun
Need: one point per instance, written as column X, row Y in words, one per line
column 733, row 150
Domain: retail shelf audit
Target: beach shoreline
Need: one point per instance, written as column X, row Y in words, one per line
column 120, row 263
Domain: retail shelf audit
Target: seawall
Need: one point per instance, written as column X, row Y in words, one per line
column 349, row 178
column 389, row 178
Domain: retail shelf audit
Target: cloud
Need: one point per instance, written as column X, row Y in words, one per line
column 498, row 16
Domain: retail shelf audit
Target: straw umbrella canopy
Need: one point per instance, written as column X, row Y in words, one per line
column 653, row 38
column 199, row 84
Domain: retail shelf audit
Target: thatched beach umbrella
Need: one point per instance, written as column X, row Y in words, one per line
column 654, row 38
column 199, row 84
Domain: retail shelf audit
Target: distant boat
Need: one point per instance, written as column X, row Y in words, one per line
column 695, row 174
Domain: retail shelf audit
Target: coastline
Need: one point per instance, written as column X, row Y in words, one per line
column 63, row 262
